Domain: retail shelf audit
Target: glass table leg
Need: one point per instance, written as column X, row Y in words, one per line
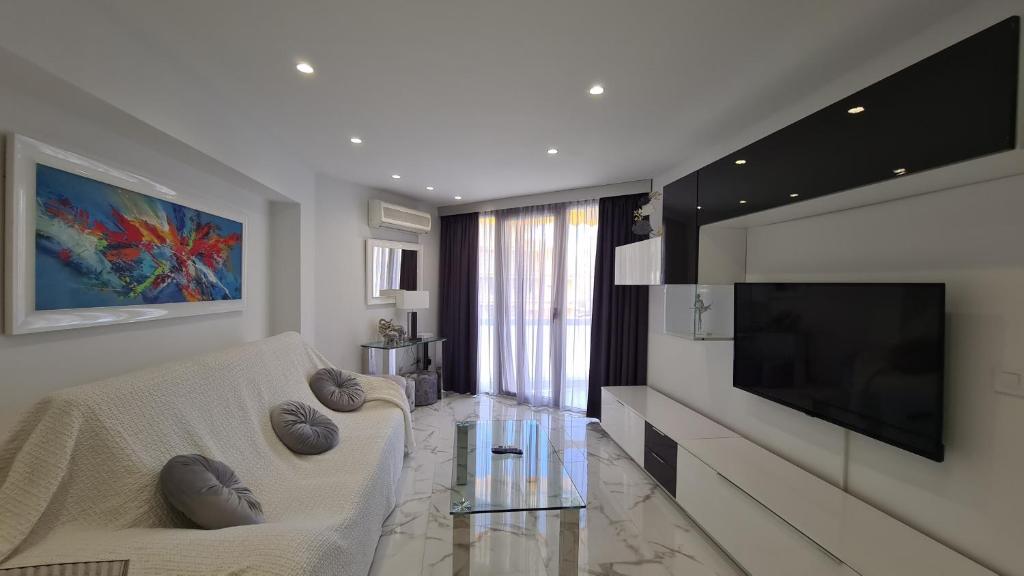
column 568, row 542
column 460, row 544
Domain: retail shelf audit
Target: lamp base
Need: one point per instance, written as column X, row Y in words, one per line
column 412, row 326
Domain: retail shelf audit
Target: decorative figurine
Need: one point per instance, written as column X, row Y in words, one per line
column 700, row 308
column 390, row 332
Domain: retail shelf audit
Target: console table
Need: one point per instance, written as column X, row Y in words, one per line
column 386, row 352
column 769, row 515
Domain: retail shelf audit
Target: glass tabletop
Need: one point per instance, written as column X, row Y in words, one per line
column 382, row 345
column 487, row 482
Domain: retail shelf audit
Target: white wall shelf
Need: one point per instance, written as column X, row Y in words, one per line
column 639, row 263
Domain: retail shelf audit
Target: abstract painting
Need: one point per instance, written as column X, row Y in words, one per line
column 100, row 245
column 91, row 244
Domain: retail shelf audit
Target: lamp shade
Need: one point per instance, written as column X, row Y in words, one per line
column 412, row 299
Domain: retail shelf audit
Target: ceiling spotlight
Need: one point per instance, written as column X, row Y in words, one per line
column 855, row 110
column 596, row 90
column 741, row 162
column 700, row 207
column 552, row 151
column 899, row 171
column 793, row 195
column 356, row 140
column 304, row 67
column 396, row 176
column 458, row 197
column 431, row 188
column 743, row 201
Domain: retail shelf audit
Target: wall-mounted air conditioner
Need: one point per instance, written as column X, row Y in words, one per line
column 387, row 215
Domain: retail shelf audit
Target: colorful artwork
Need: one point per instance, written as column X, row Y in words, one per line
column 101, row 245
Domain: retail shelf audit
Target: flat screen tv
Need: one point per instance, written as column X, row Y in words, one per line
column 868, row 357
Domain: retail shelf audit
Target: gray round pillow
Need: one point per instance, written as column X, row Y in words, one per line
column 337, row 389
column 302, row 429
column 209, row 492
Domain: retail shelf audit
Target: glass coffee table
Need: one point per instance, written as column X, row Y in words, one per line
column 536, row 480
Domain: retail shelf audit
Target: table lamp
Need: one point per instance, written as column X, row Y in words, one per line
column 412, row 300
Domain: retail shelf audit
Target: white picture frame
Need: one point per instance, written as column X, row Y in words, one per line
column 20, row 315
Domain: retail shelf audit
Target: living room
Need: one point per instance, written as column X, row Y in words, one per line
column 586, row 234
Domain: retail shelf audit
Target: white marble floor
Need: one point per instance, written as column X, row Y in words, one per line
column 629, row 528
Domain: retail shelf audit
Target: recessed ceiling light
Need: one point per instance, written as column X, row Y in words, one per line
column 552, row 151
column 396, row 176
column 741, row 162
column 304, row 67
column 855, row 110
column 899, row 171
column 356, row 140
column 596, row 90
column 793, row 195
column 743, row 201
column 431, row 188
column 700, row 207
column 458, row 197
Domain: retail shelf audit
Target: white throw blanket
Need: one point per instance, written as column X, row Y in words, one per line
column 385, row 390
column 78, row 477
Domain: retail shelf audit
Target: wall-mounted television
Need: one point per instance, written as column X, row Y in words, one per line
column 867, row 357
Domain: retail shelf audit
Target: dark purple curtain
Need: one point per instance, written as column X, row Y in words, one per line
column 618, row 341
column 457, row 301
column 407, row 271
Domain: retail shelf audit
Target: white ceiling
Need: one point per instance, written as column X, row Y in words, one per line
column 467, row 95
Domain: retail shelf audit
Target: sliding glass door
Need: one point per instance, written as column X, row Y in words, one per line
column 535, row 295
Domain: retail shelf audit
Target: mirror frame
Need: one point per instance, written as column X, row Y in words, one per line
column 372, row 243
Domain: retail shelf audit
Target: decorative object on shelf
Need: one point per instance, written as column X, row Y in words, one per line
column 412, row 300
column 93, row 245
column 390, row 332
column 642, row 216
column 699, row 308
column 699, row 311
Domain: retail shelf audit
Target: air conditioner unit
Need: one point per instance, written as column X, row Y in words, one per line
column 387, row 215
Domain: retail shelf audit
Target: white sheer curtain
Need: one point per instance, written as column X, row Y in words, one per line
column 536, row 292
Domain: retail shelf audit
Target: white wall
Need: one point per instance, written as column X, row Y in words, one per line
column 971, row 238
column 37, row 104
column 343, row 318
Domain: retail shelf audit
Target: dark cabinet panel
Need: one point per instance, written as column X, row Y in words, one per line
column 664, row 471
column 657, row 442
column 958, row 104
column 679, row 215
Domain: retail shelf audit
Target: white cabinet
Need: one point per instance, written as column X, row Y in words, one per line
column 772, row 517
column 639, row 263
column 758, row 540
column 613, row 416
column 633, row 435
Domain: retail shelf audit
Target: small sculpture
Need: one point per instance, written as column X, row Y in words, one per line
column 390, row 332
column 700, row 308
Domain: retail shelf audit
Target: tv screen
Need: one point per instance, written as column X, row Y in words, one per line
column 868, row 357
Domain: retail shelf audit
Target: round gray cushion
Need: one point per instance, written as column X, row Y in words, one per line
column 302, row 429
column 209, row 492
column 337, row 389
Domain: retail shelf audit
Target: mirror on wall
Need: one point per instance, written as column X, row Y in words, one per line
column 391, row 266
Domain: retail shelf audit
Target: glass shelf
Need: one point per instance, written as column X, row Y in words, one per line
column 715, row 303
column 382, row 345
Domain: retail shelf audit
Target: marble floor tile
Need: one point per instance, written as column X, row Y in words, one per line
column 630, row 526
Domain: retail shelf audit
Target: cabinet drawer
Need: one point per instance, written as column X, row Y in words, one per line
column 656, row 441
column 664, row 471
column 759, row 541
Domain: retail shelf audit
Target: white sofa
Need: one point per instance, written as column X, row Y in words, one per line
column 78, row 477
